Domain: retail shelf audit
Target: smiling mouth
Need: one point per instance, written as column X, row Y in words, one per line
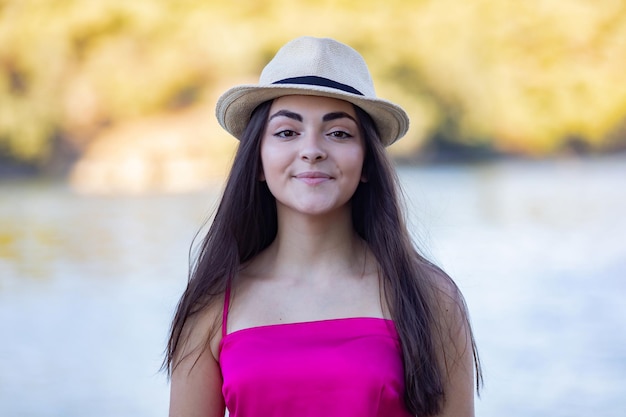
column 313, row 178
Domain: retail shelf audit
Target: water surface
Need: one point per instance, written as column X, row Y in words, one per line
column 88, row 286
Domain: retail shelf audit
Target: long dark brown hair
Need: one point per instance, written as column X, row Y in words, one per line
column 245, row 223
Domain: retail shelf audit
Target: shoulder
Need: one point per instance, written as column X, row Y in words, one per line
column 196, row 381
column 455, row 346
column 449, row 311
column 446, row 293
column 201, row 332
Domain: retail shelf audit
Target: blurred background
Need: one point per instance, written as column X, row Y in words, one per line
column 111, row 160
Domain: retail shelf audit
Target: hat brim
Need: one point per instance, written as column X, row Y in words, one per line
column 235, row 106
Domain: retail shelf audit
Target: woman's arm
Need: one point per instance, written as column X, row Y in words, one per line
column 457, row 354
column 196, row 379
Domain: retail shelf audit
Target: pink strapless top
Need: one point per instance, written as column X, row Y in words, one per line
column 340, row 367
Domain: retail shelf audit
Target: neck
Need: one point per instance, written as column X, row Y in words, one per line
column 316, row 247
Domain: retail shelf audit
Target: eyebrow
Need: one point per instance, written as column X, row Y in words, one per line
column 326, row 118
column 337, row 115
column 287, row 113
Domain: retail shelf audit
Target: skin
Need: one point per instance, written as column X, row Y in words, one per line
column 312, row 154
column 456, row 342
column 317, row 267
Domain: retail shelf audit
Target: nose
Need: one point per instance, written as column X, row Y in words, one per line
column 312, row 149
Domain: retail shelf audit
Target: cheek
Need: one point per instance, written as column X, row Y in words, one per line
column 264, row 162
column 261, row 171
column 271, row 163
column 357, row 160
column 359, row 167
column 363, row 169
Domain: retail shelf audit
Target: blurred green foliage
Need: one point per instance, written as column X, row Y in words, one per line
column 519, row 76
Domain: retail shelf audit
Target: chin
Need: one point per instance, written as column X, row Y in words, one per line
column 321, row 209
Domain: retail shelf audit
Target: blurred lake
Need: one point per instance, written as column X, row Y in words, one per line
column 88, row 286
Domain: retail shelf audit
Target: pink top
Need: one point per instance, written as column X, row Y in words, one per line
column 340, row 367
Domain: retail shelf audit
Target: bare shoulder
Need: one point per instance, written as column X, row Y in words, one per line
column 196, row 381
column 456, row 346
column 448, row 297
column 451, row 314
column 201, row 330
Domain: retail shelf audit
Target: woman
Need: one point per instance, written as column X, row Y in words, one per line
column 307, row 297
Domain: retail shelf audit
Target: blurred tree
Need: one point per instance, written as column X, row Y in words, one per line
column 522, row 77
column 528, row 74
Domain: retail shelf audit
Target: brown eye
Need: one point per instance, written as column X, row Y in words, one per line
column 340, row 134
column 286, row 134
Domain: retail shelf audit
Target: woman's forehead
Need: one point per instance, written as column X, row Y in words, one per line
column 304, row 103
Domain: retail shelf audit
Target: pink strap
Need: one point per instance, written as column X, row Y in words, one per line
column 225, row 312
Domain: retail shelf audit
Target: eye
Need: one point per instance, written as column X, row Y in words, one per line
column 340, row 134
column 286, row 133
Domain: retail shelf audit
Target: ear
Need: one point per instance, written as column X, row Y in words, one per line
column 363, row 177
column 261, row 175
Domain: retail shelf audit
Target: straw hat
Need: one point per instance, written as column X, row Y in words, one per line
column 317, row 67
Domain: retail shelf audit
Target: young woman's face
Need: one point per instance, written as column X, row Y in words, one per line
column 312, row 153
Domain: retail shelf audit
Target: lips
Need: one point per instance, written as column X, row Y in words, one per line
column 313, row 178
